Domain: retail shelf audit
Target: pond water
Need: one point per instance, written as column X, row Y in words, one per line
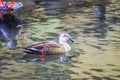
column 97, row 48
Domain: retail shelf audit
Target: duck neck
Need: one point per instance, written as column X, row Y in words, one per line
column 66, row 46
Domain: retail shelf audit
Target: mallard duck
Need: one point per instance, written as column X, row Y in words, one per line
column 50, row 47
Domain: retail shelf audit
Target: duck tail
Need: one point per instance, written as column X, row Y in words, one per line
column 25, row 50
column 30, row 50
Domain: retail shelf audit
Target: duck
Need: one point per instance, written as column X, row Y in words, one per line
column 50, row 47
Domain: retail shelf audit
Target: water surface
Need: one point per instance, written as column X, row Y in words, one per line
column 97, row 49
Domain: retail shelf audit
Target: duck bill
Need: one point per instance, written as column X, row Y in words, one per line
column 71, row 40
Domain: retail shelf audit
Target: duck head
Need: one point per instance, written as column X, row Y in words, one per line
column 64, row 37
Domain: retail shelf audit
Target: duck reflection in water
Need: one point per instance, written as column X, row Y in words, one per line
column 10, row 28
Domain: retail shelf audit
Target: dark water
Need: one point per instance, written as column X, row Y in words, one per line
column 97, row 48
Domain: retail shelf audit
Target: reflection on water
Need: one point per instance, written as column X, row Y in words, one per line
column 97, row 50
column 10, row 30
column 100, row 30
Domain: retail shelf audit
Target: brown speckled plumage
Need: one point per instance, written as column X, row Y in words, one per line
column 45, row 47
column 50, row 47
